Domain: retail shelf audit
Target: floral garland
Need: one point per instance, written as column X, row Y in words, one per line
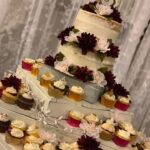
column 89, row 43
column 104, row 8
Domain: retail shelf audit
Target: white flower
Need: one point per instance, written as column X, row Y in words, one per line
column 103, row 9
column 99, row 78
column 72, row 37
column 102, row 45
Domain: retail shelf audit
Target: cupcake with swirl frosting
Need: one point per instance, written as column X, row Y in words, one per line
column 33, row 139
column 4, row 122
column 76, row 93
column 31, row 146
column 19, row 124
column 32, row 130
column 92, row 118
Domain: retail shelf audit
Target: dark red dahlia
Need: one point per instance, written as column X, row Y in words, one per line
column 50, row 60
column 65, row 33
column 88, row 143
column 89, row 7
column 114, row 51
column 119, row 90
column 12, row 81
column 86, row 42
column 110, row 78
column 82, row 73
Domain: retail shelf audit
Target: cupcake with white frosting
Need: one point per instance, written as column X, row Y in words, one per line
column 76, row 93
column 121, row 138
column 108, row 99
column 4, row 122
column 58, row 89
column 19, row 124
column 32, row 130
column 15, row 136
column 35, row 69
column 33, row 139
column 39, row 61
column 31, row 146
column 48, row 146
column 67, row 146
column 107, row 130
column 75, row 118
column 27, row 63
column 9, row 95
column 92, row 118
column 46, row 79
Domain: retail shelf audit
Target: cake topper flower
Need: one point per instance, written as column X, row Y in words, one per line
column 12, row 81
column 50, row 60
column 88, row 143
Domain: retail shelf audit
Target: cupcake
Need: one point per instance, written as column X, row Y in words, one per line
column 35, row 69
column 74, row 118
column 9, row 95
column 58, row 89
column 46, row 79
column 76, row 93
column 27, row 64
column 14, row 136
column 107, row 130
column 48, row 146
column 25, row 101
column 32, row 130
column 1, row 89
column 92, row 118
column 23, row 89
column 39, row 61
column 4, row 123
column 121, row 138
column 19, row 125
column 123, row 103
column 33, row 139
column 31, row 146
column 108, row 99
column 129, row 128
column 67, row 146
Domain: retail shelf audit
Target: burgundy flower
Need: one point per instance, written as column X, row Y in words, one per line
column 82, row 73
column 49, row 60
column 110, row 78
column 88, row 143
column 119, row 90
column 12, row 81
column 86, row 42
column 113, row 52
column 65, row 33
column 89, row 7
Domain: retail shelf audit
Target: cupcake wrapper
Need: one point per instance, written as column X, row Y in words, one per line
column 105, row 135
column 73, row 122
column 24, row 105
column 75, row 96
column 7, row 98
column 120, row 142
column 35, row 72
column 26, row 66
column 121, row 106
column 45, row 83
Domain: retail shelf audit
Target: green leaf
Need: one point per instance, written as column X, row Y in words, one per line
column 103, row 69
column 101, row 56
column 75, row 30
column 73, row 43
column 59, row 56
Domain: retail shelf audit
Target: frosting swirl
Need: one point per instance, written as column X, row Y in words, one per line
column 17, row 133
column 32, row 129
column 76, row 114
column 31, row 146
column 110, row 97
column 18, row 124
column 11, row 90
column 29, row 60
column 27, row 96
column 92, row 118
column 125, row 100
column 4, row 117
column 48, row 146
column 77, row 89
column 61, row 84
column 66, row 146
column 123, row 134
column 33, row 139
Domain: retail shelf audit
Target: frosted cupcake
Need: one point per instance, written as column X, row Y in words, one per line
column 9, row 95
column 121, row 138
column 4, row 122
column 74, row 118
column 23, row 89
column 46, row 79
column 31, row 146
column 35, row 69
column 58, row 89
column 123, row 103
column 92, row 118
column 108, row 130
column 27, row 64
column 39, row 61
column 14, row 136
column 108, row 99
column 48, row 146
column 32, row 130
column 76, row 93
column 19, row 125
column 33, row 139
column 67, row 146
column 1, row 89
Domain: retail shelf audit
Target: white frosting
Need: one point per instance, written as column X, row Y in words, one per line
column 103, row 9
column 123, row 134
column 109, row 125
column 11, row 90
column 110, row 97
column 39, row 60
column 32, row 129
column 31, row 146
column 124, row 99
column 102, row 45
column 27, row 96
column 48, row 76
column 33, row 139
column 1, row 85
column 66, row 146
column 77, row 89
column 16, row 133
column 92, row 118
column 18, row 124
column 48, row 146
column 29, row 60
column 77, row 114
column 61, row 84
column 4, row 117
